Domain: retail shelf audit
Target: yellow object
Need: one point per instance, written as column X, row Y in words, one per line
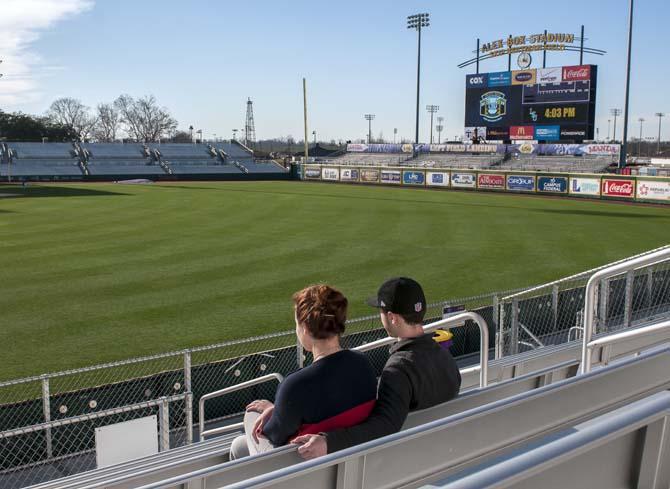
column 442, row 335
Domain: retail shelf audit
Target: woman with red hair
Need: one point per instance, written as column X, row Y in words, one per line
column 336, row 391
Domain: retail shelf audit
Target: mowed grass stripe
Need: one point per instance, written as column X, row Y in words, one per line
column 97, row 277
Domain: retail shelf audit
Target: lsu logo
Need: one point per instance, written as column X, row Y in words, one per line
column 493, row 106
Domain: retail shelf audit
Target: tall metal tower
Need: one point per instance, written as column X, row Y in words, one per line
column 249, row 129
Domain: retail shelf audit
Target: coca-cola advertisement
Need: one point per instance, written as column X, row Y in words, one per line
column 488, row 180
column 576, row 73
column 618, row 188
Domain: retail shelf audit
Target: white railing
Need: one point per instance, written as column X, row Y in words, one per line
column 591, row 294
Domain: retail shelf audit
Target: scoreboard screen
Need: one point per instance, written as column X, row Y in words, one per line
column 548, row 104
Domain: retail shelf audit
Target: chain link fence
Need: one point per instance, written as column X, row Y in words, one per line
column 47, row 423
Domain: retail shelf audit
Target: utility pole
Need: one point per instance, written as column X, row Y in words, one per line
column 639, row 142
column 660, row 115
column 369, row 118
column 304, row 103
column 609, row 121
column 431, row 110
column 615, row 113
column 624, row 142
column 439, row 128
column 418, row 21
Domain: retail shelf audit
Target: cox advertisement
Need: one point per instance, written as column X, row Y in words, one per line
column 330, row 174
column 463, row 180
column 491, row 181
column 437, row 179
column 584, row 186
column 369, row 176
column 312, row 173
column 391, row 176
column 349, row 174
column 521, row 183
column 552, row 184
column 413, row 178
column 653, row 190
column 618, row 188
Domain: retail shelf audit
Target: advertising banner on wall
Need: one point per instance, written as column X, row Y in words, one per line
column 500, row 79
column 552, row 184
column 548, row 133
column 524, row 77
column 313, row 172
column 478, row 131
column 653, row 190
column 390, row 176
column 574, row 73
column 462, row 148
column 463, row 180
column 584, row 186
column 618, row 188
column 491, row 181
column 413, row 177
column 357, row 148
column 549, row 75
column 384, row 148
column 330, row 174
column 476, row 81
column 497, row 134
column 349, row 174
column 521, row 132
column 563, row 149
column 437, row 179
column 521, row 183
column 369, row 176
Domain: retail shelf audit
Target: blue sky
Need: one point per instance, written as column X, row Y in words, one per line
column 202, row 59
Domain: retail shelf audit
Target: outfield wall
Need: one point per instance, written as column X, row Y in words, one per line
column 583, row 185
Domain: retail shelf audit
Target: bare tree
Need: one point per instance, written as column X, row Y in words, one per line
column 107, row 124
column 72, row 113
column 144, row 119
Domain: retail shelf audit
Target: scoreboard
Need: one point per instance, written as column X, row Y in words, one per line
column 547, row 104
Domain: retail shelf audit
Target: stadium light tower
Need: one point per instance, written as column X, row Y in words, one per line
column 639, row 142
column 660, row 116
column 418, row 21
column 431, row 110
column 395, row 133
column 624, row 142
column 369, row 118
column 615, row 113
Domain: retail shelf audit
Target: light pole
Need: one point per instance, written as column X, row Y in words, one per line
column 615, row 113
column 395, row 132
column 609, row 121
column 624, row 142
column 369, row 118
column 639, row 142
column 190, row 130
column 431, row 110
column 314, row 134
column 660, row 115
column 418, row 21
column 439, row 128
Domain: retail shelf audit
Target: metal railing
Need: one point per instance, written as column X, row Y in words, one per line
column 591, row 293
column 222, row 392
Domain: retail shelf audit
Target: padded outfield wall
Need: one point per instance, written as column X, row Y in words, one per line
column 583, row 185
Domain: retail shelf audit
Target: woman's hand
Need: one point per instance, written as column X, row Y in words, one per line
column 257, row 430
column 259, row 405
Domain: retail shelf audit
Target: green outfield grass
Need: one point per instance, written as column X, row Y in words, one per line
column 92, row 273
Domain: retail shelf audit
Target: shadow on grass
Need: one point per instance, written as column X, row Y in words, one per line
column 50, row 191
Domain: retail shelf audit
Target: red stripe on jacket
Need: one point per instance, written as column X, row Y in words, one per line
column 345, row 419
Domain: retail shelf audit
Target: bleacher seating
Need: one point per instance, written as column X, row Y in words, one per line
column 372, row 159
column 575, row 164
column 115, row 150
column 48, row 160
column 42, row 150
column 124, row 167
column 234, row 150
column 456, row 160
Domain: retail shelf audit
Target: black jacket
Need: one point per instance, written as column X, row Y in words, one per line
column 418, row 374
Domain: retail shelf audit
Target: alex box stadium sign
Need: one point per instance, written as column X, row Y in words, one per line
column 618, row 188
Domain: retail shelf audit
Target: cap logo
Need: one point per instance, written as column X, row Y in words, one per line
column 417, row 307
column 382, row 304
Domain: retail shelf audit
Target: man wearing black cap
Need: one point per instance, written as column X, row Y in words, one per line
column 418, row 374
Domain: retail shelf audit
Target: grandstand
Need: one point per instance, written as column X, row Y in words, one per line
column 566, row 356
column 457, row 160
column 568, row 164
column 43, row 161
column 372, row 159
column 102, row 161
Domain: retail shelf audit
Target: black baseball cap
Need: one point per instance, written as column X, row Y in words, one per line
column 401, row 295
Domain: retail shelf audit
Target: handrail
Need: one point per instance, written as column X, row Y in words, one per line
column 625, row 335
column 452, row 321
column 222, row 392
column 591, row 289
